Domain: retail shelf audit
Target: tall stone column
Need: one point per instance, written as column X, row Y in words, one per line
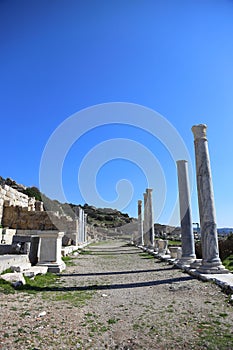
column 85, row 227
column 150, row 218
column 145, row 221
column 80, row 225
column 211, row 262
column 187, row 237
column 140, row 240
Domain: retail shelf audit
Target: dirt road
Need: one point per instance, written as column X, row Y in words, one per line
column 116, row 297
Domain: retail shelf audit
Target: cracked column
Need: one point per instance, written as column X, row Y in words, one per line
column 150, row 218
column 187, row 237
column 140, row 240
column 211, row 262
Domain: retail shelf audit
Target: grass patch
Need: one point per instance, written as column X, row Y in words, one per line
column 6, row 287
column 68, row 261
column 228, row 262
column 85, row 252
column 6, row 271
column 112, row 321
column 39, row 283
column 174, row 243
column 75, row 298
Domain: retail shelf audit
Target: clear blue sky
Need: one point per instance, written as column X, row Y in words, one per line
column 175, row 57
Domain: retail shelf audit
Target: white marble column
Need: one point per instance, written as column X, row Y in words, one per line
column 150, row 218
column 145, row 221
column 80, row 216
column 211, row 262
column 187, row 237
column 140, row 240
column 85, row 227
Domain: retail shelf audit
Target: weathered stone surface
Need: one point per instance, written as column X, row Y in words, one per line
column 21, row 267
column 6, row 261
column 187, row 237
column 35, row 270
column 211, row 262
column 50, row 251
column 140, row 240
column 15, row 278
column 22, row 219
column 174, row 252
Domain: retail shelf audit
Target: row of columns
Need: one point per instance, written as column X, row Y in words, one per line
column 210, row 262
column 146, row 223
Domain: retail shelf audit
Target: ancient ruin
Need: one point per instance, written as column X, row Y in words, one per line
column 211, row 262
column 187, row 237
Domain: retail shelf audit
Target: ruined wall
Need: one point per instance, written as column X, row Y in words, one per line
column 22, row 219
column 11, row 197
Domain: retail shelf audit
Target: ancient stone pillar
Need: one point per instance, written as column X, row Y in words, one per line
column 187, row 237
column 140, row 240
column 150, row 218
column 85, row 227
column 80, row 216
column 211, row 262
column 50, row 250
column 145, row 221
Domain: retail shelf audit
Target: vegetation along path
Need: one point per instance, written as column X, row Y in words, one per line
column 113, row 296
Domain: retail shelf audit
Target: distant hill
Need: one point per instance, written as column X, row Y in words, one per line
column 225, row 230
column 98, row 217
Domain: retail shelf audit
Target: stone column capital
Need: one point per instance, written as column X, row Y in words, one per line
column 181, row 161
column 139, row 202
column 199, row 131
column 149, row 190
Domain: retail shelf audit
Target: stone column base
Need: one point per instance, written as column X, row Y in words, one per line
column 212, row 268
column 195, row 264
column 185, row 261
column 54, row 267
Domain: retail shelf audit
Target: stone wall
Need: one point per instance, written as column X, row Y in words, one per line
column 11, row 197
column 22, row 219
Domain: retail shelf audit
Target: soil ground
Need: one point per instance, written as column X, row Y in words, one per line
column 117, row 297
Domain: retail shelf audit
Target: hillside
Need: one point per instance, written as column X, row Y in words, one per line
column 98, row 217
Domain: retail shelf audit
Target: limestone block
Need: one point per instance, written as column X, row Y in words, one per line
column 35, row 270
column 50, row 251
column 174, row 252
column 6, row 187
column 15, row 278
column 21, row 267
column 162, row 246
column 10, row 195
column 2, row 192
column 39, row 206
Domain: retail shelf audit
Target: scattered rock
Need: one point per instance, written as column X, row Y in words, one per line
column 15, row 278
column 43, row 313
column 36, row 270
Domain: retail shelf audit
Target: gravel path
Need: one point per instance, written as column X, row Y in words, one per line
column 116, row 297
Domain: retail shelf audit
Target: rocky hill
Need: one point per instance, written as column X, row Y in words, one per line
column 98, row 217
